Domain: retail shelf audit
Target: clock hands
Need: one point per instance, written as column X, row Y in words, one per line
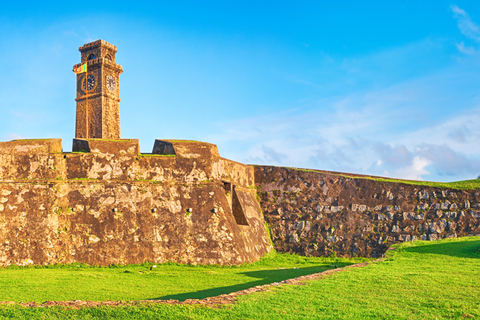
column 89, row 83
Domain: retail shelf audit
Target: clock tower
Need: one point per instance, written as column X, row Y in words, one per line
column 98, row 92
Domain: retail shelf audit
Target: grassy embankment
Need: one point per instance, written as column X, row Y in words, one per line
column 419, row 280
column 461, row 185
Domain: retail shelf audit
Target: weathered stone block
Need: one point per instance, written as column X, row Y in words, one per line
column 186, row 148
column 31, row 146
column 445, row 205
column 293, row 238
column 103, row 146
column 451, row 215
column 423, row 195
column 432, row 237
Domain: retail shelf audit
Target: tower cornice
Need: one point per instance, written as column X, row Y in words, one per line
column 98, row 62
column 95, row 44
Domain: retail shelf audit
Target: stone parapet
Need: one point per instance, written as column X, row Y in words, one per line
column 186, row 148
column 104, row 146
column 120, row 160
column 31, row 146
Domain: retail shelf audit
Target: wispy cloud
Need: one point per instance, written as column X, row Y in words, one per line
column 460, row 134
column 465, row 49
column 272, row 155
column 12, row 136
column 447, row 161
column 470, row 29
column 87, row 37
column 424, row 128
column 465, row 24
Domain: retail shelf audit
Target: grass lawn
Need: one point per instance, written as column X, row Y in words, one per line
column 419, row 280
column 166, row 281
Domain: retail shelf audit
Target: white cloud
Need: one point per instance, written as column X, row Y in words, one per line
column 470, row 29
column 458, row 11
column 466, row 25
column 270, row 155
column 460, row 132
column 448, row 162
column 12, row 136
column 395, row 131
column 420, row 126
column 416, row 170
column 464, row 49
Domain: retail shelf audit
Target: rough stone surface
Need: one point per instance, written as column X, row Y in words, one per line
column 120, row 146
column 31, row 146
column 105, row 208
column 358, row 216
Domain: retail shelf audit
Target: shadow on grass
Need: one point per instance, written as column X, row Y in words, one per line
column 263, row 276
column 463, row 249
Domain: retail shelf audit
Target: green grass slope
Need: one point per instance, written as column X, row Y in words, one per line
column 419, row 280
column 460, row 185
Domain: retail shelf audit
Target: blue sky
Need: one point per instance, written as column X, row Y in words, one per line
column 387, row 88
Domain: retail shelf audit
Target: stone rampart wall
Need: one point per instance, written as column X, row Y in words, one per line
column 185, row 203
column 102, row 208
column 320, row 213
column 198, row 163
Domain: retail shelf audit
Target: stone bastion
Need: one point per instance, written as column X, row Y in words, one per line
column 105, row 203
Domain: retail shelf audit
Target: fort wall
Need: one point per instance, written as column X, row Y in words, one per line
column 323, row 213
column 114, row 205
column 106, row 203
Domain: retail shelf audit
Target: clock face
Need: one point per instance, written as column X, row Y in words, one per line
column 91, row 83
column 110, row 83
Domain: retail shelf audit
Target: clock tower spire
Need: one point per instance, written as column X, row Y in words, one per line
column 98, row 92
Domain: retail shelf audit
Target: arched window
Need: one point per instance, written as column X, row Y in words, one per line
column 91, row 56
column 108, row 57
